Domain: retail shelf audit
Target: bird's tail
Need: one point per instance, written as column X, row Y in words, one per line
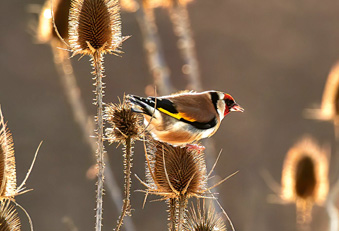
column 141, row 105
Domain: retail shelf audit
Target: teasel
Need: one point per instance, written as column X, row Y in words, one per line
column 305, row 178
column 125, row 128
column 9, row 219
column 176, row 174
column 8, row 182
column 95, row 29
column 46, row 32
column 204, row 219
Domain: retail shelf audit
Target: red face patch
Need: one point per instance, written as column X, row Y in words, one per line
column 227, row 96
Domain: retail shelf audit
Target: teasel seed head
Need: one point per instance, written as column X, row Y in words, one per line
column 95, row 26
column 204, row 219
column 46, row 31
column 174, row 172
column 9, row 220
column 8, row 187
column 305, row 177
column 123, row 121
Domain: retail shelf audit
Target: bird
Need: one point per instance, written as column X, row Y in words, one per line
column 186, row 117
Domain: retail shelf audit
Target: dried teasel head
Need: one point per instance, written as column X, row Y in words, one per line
column 9, row 220
column 305, row 177
column 174, row 172
column 124, row 122
column 8, row 188
column 46, row 32
column 204, row 219
column 95, row 26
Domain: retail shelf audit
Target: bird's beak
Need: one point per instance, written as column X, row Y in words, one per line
column 237, row 107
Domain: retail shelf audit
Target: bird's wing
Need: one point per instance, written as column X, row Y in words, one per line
column 194, row 107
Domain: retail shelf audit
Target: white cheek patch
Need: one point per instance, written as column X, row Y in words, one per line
column 221, row 109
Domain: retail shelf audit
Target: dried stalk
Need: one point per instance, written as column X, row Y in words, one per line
column 182, row 203
column 172, row 213
column 152, row 45
column 182, row 28
column 128, row 165
column 97, row 61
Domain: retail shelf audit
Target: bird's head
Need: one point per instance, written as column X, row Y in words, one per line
column 226, row 104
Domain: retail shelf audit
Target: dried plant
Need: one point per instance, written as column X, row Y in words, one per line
column 176, row 174
column 46, row 31
column 8, row 183
column 125, row 128
column 95, row 29
column 204, row 219
column 305, row 177
column 9, row 220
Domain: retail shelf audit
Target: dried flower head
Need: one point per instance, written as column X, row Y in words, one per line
column 7, row 162
column 124, row 122
column 175, row 171
column 9, row 220
column 205, row 219
column 94, row 25
column 305, row 177
column 46, row 31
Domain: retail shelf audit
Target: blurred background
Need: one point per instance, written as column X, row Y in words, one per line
column 272, row 56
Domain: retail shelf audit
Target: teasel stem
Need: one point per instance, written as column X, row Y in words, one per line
column 332, row 210
column 182, row 28
column 128, row 166
column 172, row 214
column 97, row 59
column 182, row 203
column 152, row 46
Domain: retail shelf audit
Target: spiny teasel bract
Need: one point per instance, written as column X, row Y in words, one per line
column 305, row 177
column 175, row 171
column 9, row 220
column 123, row 122
column 204, row 219
column 95, row 25
column 46, row 31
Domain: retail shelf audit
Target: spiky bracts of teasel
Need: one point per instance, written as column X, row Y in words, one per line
column 305, row 177
column 174, row 171
column 9, row 220
column 46, row 31
column 95, row 26
column 176, row 174
column 123, row 122
column 125, row 128
column 8, row 188
column 204, row 219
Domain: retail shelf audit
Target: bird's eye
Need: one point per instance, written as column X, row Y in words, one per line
column 229, row 102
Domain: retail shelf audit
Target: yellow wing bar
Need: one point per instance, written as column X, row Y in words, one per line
column 178, row 116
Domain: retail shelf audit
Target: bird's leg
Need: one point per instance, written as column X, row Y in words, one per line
column 197, row 147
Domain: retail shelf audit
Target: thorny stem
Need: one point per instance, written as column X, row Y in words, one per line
column 72, row 91
column 332, row 210
column 128, row 165
column 156, row 61
column 172, row 214
column 181, row 213
column 182, row 28
column 98, row 73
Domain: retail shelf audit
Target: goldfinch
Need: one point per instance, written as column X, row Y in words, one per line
column 186, row 117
